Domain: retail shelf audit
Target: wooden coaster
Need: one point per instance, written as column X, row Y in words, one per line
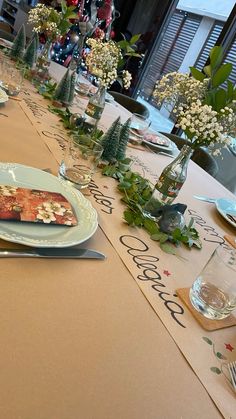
column 231, row 240
column 207, row 324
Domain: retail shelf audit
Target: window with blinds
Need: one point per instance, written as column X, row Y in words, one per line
column 170, row 54
column 210, row 42
column 231, row 58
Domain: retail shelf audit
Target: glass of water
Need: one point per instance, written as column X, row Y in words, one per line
column 80, row 161
column 138, row 127
column 214, row 291
column 11, row 78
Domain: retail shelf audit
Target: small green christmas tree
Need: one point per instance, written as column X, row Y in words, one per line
column 31, row 53
column 110, row 141
column 62, row 92
column 72, row 87
column 36, row 38
column 123, row 140
column 18, row 46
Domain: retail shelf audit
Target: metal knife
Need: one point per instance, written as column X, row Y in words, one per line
column 52, row 253
column 205, row 198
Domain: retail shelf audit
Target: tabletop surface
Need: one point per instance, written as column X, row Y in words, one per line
column 79, row 339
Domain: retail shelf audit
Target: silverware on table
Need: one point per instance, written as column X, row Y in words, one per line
column 232, row 372
column 205, row 198
column 52, row 253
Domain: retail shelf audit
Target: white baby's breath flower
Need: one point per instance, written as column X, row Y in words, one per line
column 103, row 60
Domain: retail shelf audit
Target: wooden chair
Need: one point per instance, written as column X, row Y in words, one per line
column 5, row 27
column 132, row 105
column 200, row 156
column 6, row 35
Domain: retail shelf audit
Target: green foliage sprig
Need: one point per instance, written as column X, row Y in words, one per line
column 67, row 119
column 136, row 191
column 220, row 91
column 47, row 90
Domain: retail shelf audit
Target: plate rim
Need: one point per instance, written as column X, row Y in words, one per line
column 42, row 242
column 5, row 97
column 169, row 148
column 223, row 212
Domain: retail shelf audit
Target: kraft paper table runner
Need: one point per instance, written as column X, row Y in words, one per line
column 157, row 274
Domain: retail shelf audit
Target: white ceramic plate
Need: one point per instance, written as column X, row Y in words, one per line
column 3, row 96
column 227, row 209
column 109, row 98
column 165, row 143
column 47, row 235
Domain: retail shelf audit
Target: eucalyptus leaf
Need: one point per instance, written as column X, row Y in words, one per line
column 156, row 236
column 63, row 6
column 220, row 99
column 190, row 223
column 134, row 39
column 167, row 248
column 198, row 75
column 207, row 70
column 216, row 56
column 230, row 90
column 222, row 74
column 151, row 226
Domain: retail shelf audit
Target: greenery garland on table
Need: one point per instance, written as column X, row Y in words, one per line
column 135, row 189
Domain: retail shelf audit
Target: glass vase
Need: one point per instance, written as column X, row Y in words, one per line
column 94, row 109
column 76, row 58
column 169, row 183
column 43, row 62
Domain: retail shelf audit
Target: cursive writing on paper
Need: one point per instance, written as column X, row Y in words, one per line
column 147, row 263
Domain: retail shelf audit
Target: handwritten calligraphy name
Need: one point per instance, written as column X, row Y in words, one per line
column 216, row 237
column 37, row 110
column 61, row 140
column 101, row 199
column 137, row 249
column 142, row 165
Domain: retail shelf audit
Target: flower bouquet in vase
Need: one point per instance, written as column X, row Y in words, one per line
column 102, row 62
column 52, row 25
column 204, row 104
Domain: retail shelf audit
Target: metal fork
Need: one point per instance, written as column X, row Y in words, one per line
column 232, row 371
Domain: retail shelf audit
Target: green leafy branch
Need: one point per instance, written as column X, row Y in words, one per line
column 47, row 89
column 217, row 95
column 69, row 122
column 136, row 191
column 128, row 49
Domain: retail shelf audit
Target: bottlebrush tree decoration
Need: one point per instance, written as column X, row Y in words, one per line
column 30, row 56
column 123, row 140
column 62, row 92
column 18, row 46
column 110, row 141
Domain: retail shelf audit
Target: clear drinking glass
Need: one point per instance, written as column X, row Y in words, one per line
column 83, row 84
column 11, row 78
column 214, row 291
column 138, row 127
column 80, row 161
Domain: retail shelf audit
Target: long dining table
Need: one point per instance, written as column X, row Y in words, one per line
column 90, row 339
